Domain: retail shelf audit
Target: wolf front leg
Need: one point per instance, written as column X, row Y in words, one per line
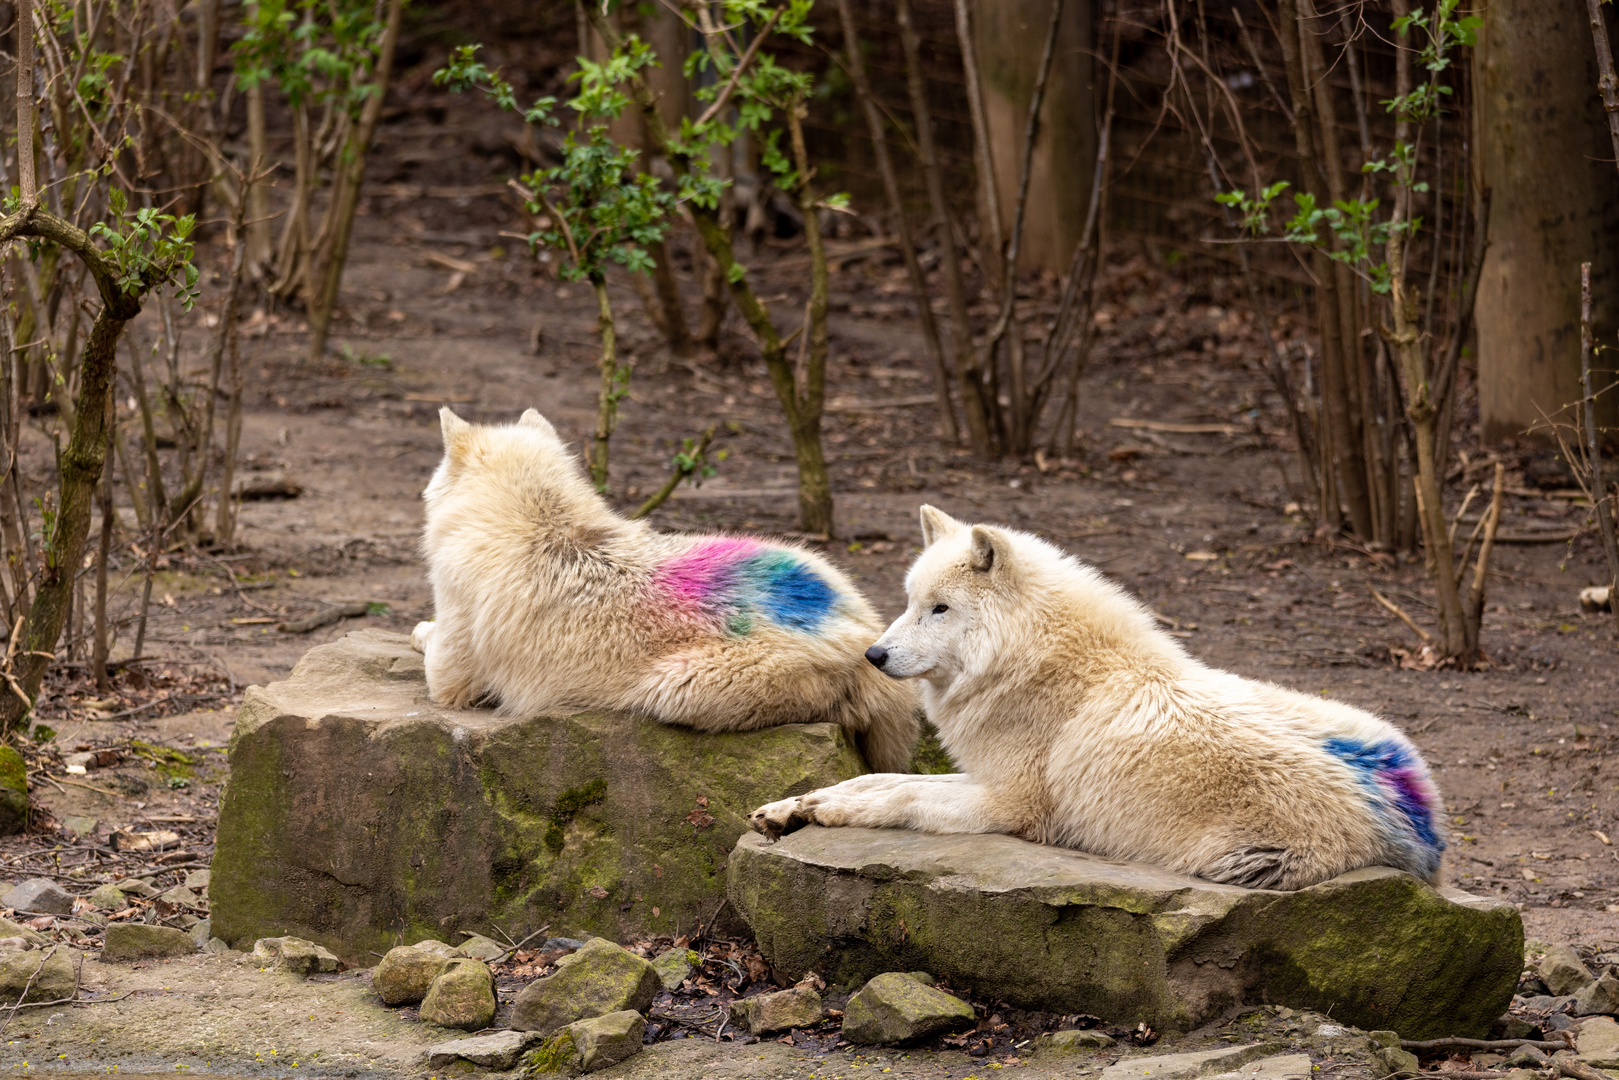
column 943, row 803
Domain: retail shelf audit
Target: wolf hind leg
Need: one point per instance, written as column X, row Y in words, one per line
column 882, row 716
column 1262, row 866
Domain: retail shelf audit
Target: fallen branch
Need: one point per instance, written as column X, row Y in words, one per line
column 322, row 618
column 1427, row 638
column 1481, row 1044
column 513, row 950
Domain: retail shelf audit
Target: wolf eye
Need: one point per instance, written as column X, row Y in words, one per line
column 940, row 609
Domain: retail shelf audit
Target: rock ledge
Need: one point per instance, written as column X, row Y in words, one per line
column 1046, row 928
column 359, row 815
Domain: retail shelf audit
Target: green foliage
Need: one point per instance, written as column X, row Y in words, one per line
column 1351, row 225
column 593, row 208
column 149, row 249
column 315, row 51
column 693, row 462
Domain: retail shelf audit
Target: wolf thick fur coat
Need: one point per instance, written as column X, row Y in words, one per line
column 1077, row 721
column 547, row 600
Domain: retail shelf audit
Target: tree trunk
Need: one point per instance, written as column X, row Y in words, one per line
column 1548, row 162
column 1009, row 35
column 351, row 177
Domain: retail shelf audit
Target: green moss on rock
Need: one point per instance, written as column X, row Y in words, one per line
column 13, row 791
column 360, row 816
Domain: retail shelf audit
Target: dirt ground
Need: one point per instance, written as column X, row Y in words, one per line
column 1203, row 527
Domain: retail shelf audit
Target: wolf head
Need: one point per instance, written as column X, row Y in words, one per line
column 959, row 589
column 489, row 464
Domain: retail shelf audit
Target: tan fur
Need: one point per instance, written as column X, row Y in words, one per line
column 1077, row 721
column 544, row 602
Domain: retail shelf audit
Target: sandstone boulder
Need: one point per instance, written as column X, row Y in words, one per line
column 42, row 896
column 46, row 974
column 294, row 954
column 1598, row 1041
column 136, row 941
column 405, row 974
column 600, row 978
column 498, row 1051
column 674, row 966
column 1563, row 972
column 602, row 1041
column 358, row 810
column 896, row 1008
column 462, row 996
column 765, row 1014
column 108, row 897
column 1060, row 931
column 1598, row 998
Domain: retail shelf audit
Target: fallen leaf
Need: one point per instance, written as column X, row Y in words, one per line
column 1202, row 556
column 700, row 818
column 1528, row 874
column 598, row 892
column 1600, row 835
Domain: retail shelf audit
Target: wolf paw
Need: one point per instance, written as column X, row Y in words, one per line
column 420, row 635
column 777, row 819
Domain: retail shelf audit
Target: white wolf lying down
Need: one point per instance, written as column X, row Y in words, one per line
column 546, row 599
column 1077, row 721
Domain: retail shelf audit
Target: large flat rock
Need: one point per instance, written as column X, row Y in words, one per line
column 1061, row 931
column 359, row 815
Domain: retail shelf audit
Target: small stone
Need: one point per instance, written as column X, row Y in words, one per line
column 1563, row 971
column 51, row 971
column 561, row 944
column 1598, row 998
column 894, row 1008
column 600, row 978
column 77, row 825
column 1515, row 1027
column 555, row 1055
column 13, row 791
column 1598, row 1042
column 14, row 944
column 137, row 941
column 674, row 966
column 1384, row 1040
column 1182, row 1066
column 1522, row 1074
column 202, row 931
column 217, row 945
column 198, row 880
column 1547, row 1003
column 1072, row 1042
column 603, row 1041
column 922, row 977
column 109, row 898
column 438, row 948
column 783, row 1010
column 463, row 996
column 296, row 955
column 1391, row 1059
column 180, row 896
column 478, row 947
column 137, row 887
column 499, row 1051
column 40, row 895
column 33, row 937
column 406, row 974
column 1279, row 1067
column 1527, row 1057
column 1559, row 1021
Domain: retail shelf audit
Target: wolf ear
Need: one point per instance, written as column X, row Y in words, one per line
column 455, row 429
column 532, row 418
column 990, row 550
column 936, row 524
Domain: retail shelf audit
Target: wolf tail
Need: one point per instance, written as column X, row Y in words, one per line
column 1403, row 795
column 881, row 713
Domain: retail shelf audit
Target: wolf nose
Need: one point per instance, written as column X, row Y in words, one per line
column 877, row 655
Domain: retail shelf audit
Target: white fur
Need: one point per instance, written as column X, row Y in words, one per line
column 1077, row 721
column 545, row 600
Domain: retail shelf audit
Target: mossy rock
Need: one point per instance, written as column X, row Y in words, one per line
column 1045, row 928
column 361, row 816
column 13, row 791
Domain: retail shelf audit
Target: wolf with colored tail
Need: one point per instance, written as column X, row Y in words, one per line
column 546, row 600
column 1076, row 720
